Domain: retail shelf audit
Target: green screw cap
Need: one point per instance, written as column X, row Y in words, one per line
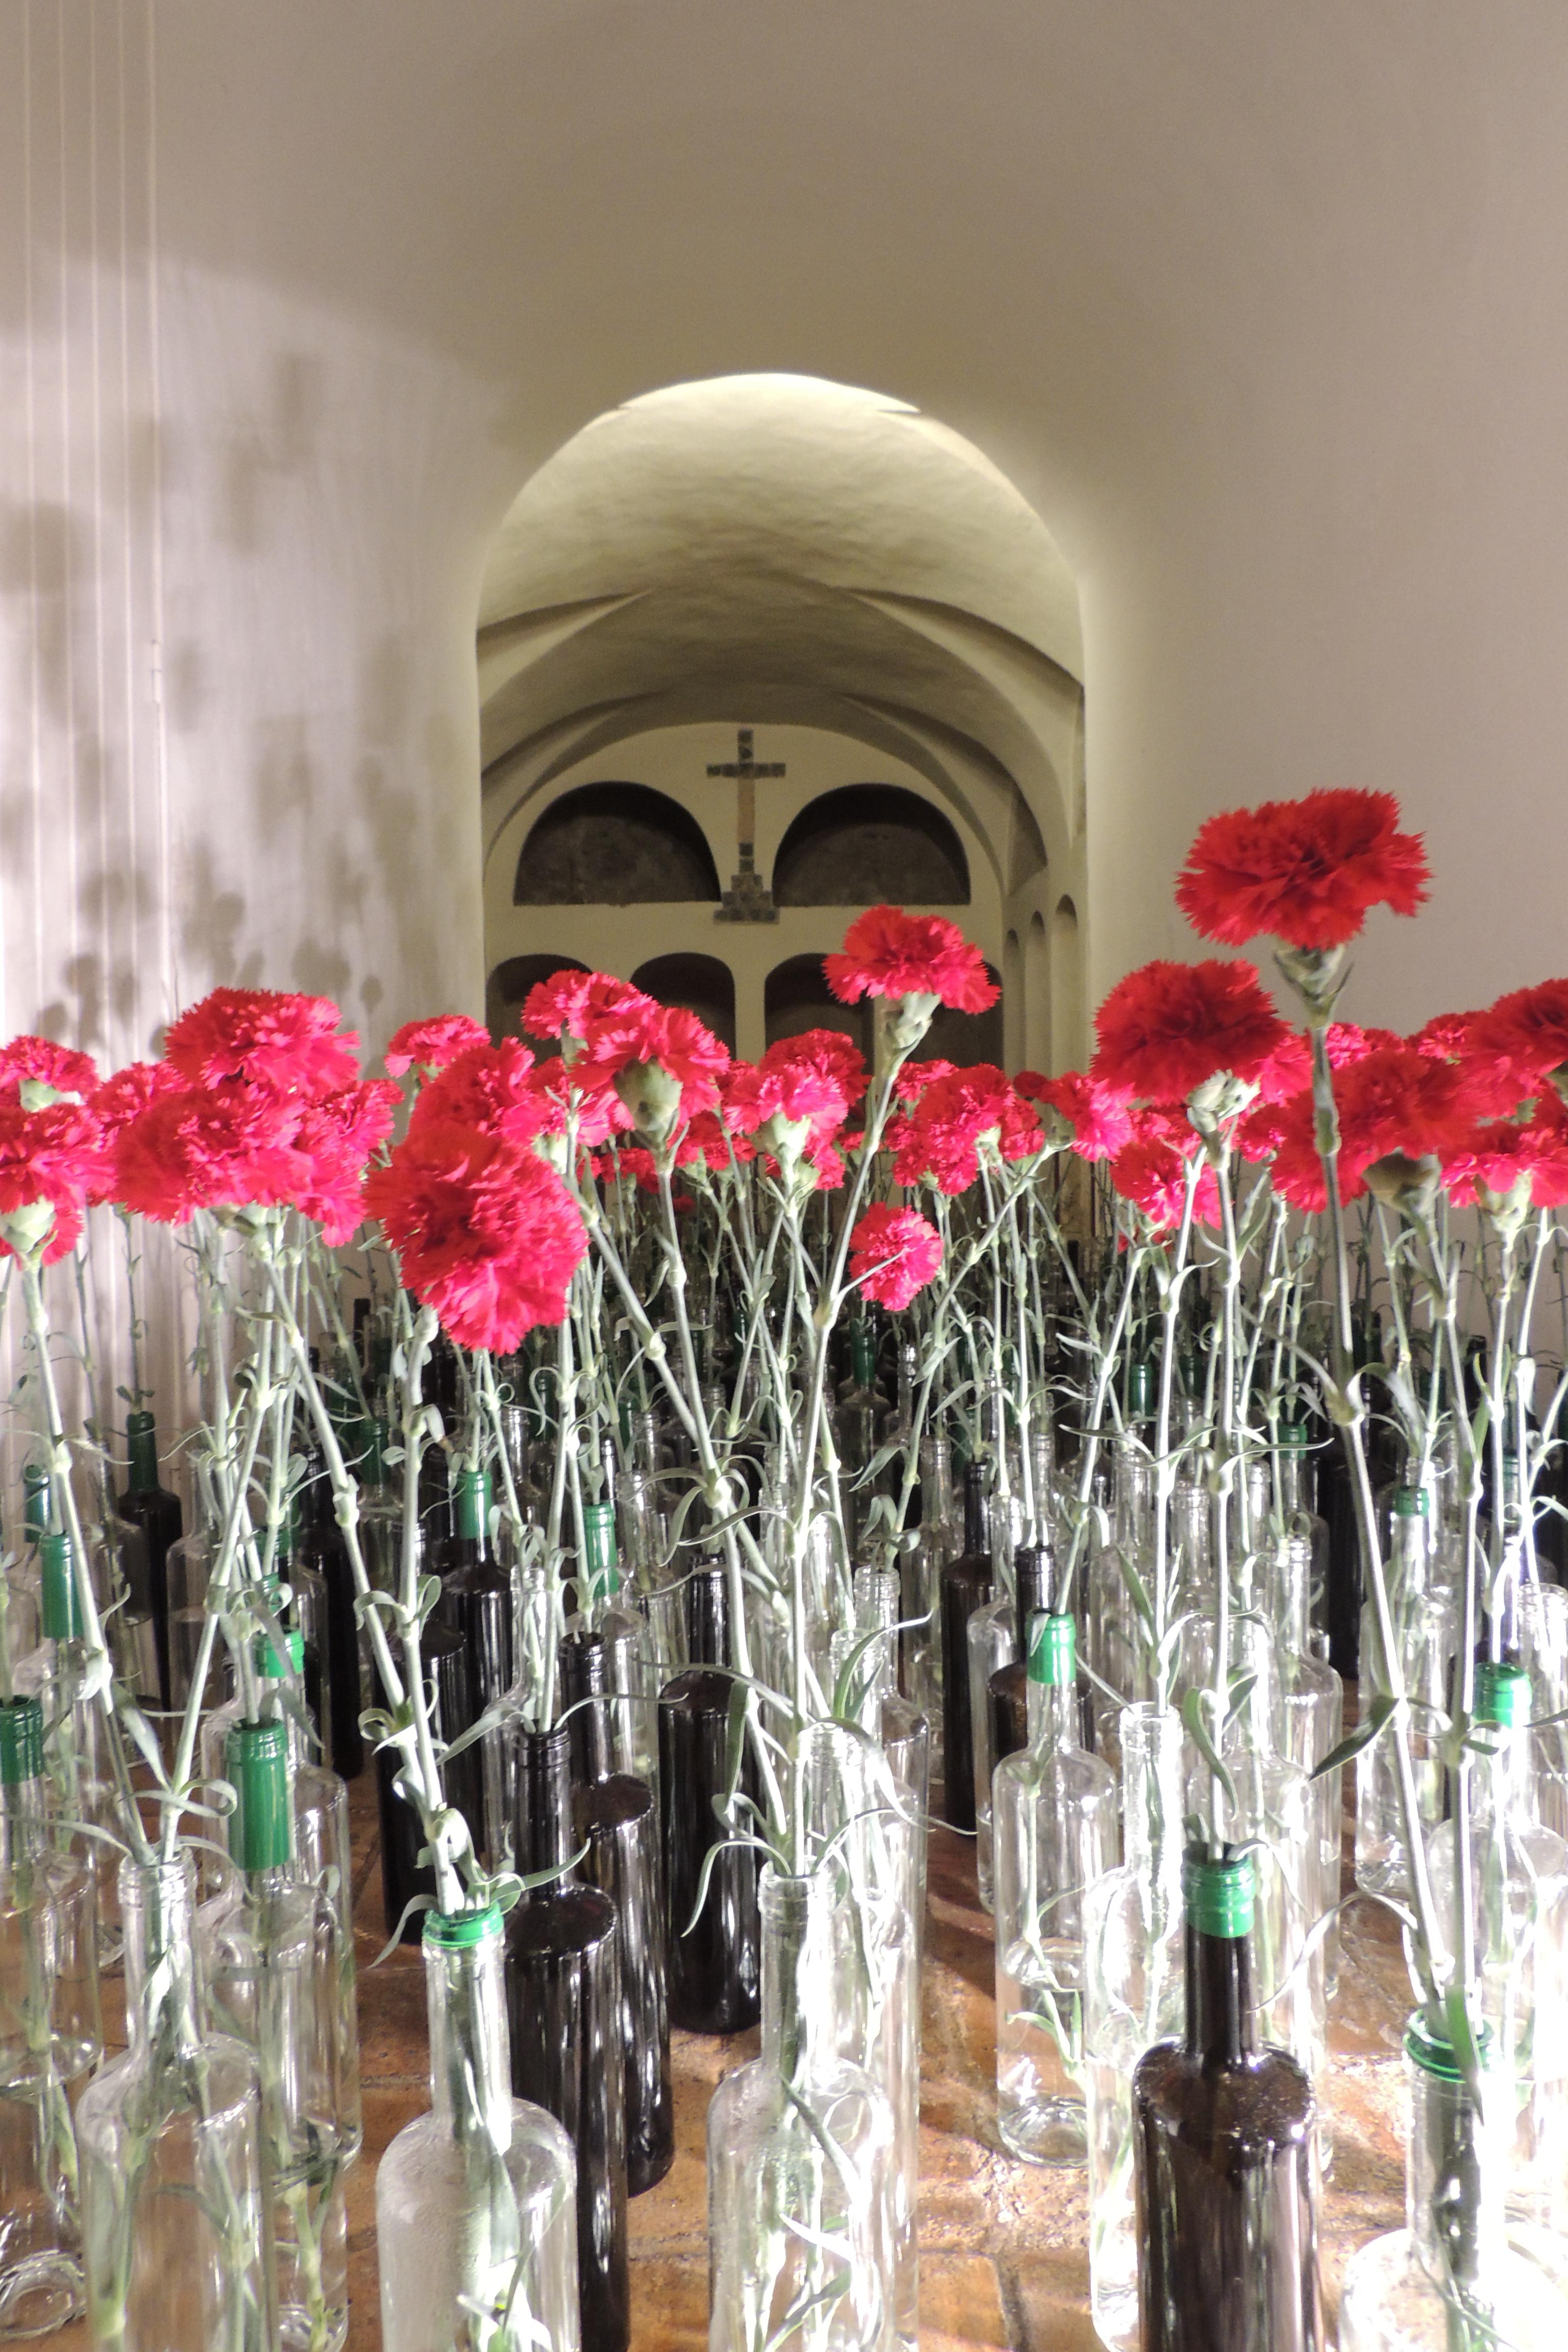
column 863, row 1354
column 256, row 1758
column 1053, row 1651
column 1503, row 1695
column 459, row 1931
column 21, row 1740
column 1294, row 1437
column 600, row 1558
column 61, row 1612
column 1410, row 1503
column 1219, row 1895
column 471, row 1504
column 1140, row 1390
column 35, row 1499
column 1432, row 2052
column 276, row 1665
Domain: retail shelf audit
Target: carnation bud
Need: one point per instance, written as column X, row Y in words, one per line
column 908, row 1019
column 1317, row 974
column 1217, row 1099
column 26, row 1230
column 652, row 1096
column 1507, row 1211
column 787, row 1138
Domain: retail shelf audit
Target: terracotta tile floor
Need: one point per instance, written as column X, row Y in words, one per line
column 1003, row 2244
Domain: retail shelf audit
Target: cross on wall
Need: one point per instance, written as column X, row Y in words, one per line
column 747, row 900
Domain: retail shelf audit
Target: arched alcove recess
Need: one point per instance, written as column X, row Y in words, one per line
column 964, row 1037
column 1038, row 1045
column 1013, row 1007
column 506, row 992
column 614, row 845
column 702, row 984
column 1068, row 1039
column 796, row 997
column 869, row 844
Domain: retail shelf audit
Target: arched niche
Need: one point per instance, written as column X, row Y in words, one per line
column 869, row 844
column 796, row 997
column 1037, row 1040
column 615, row 845
column 1068, row 1041
column 702, row 984
column 506, row 991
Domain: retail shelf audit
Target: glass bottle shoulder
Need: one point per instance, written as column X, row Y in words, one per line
column 1065, row 1776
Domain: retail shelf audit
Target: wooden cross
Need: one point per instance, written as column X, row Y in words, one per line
column 745, row 770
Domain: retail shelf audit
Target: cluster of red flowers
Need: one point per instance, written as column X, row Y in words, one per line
column 1306, row 871
column 893, row 1253
column 958, row 1116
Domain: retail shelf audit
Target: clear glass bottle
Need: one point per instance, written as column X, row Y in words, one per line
column 1054, row 1822
column 1452, row 2280
column 1297, row 1519
column 270, row 1953
column 922, row 1563
column 187, row 1573
column 800, row 2162
column 994, row 1648
column 1133, row 1997
column 1426, row 1637
column 1314, row 1704
column 1519, row 1937
column 476, row 2203
column 1120, row 1644
column 84, row 1803
column 861, row 1423
column 175, row 2220
column 50, row 2038
column 1225, row 2164
column 629, row 1651
column 479, row 1602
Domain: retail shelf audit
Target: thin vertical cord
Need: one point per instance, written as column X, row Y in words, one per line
column 127, row 538
column 68, row 584
column 98, row 1014
column 165, row 876
column 34, row 649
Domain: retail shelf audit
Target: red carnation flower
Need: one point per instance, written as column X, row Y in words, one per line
column 915, row 1077
column 485, row 1232
column 1498, row 1156
column 228, row 1146
column 664, row 1064
column 1099, row 1116
column 1527, row 1029
column 335, row 1138
column 893, row 1255
column 39, row 1062
column 889, row 953
column 569, row 1002
column 493, row 1089
column 1168, row 1027
column 431, row 1044
column 49, row 1163
column 1306, row 871
column 954, row 1118
column 827, row 1052
column 286, row 1044
column 708, row 1139
column 1151, row 1173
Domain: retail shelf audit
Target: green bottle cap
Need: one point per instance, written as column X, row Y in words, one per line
column 1219, row 1895
column 276, row 1665
column 1053, row 1651
column 1140, row 1390
column 363, row 1450
column 471, row 1504
column 61, row 1613
column 1502, row 1695
column 1431, row 2050
column 1410, row 1503
column 141, row 1437
column 35, row 1499
column 458, row 1931
column 21, row 1740
column 600, row 1558
column 256, row 1758
column 1294, row 1437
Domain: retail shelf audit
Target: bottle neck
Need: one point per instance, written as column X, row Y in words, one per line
column 24, row 1821
column 544, row 1801
column 794, row 2004
column 1293, row 1571
column 157, row 1904
column 1291, row 1470
column 708, row 1618
column 1054, row 1721
column 141, row 1444
column 470, row 2059
column 1151, row 1794
column 1220, row 2029
column 582, row 1679
column 976, row 1515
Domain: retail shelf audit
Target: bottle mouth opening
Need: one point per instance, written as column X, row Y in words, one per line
column 459, row 1931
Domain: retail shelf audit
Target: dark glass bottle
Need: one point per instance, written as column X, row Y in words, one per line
column 715, row 1959
column 1223, row 2154
column 615, row 1818
column 1008, row 1688
column 323, row 1556
column 477, row 1603
column 156, row 1513
column 402, row 1875
column 563, row 1991
column 966, row 1586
